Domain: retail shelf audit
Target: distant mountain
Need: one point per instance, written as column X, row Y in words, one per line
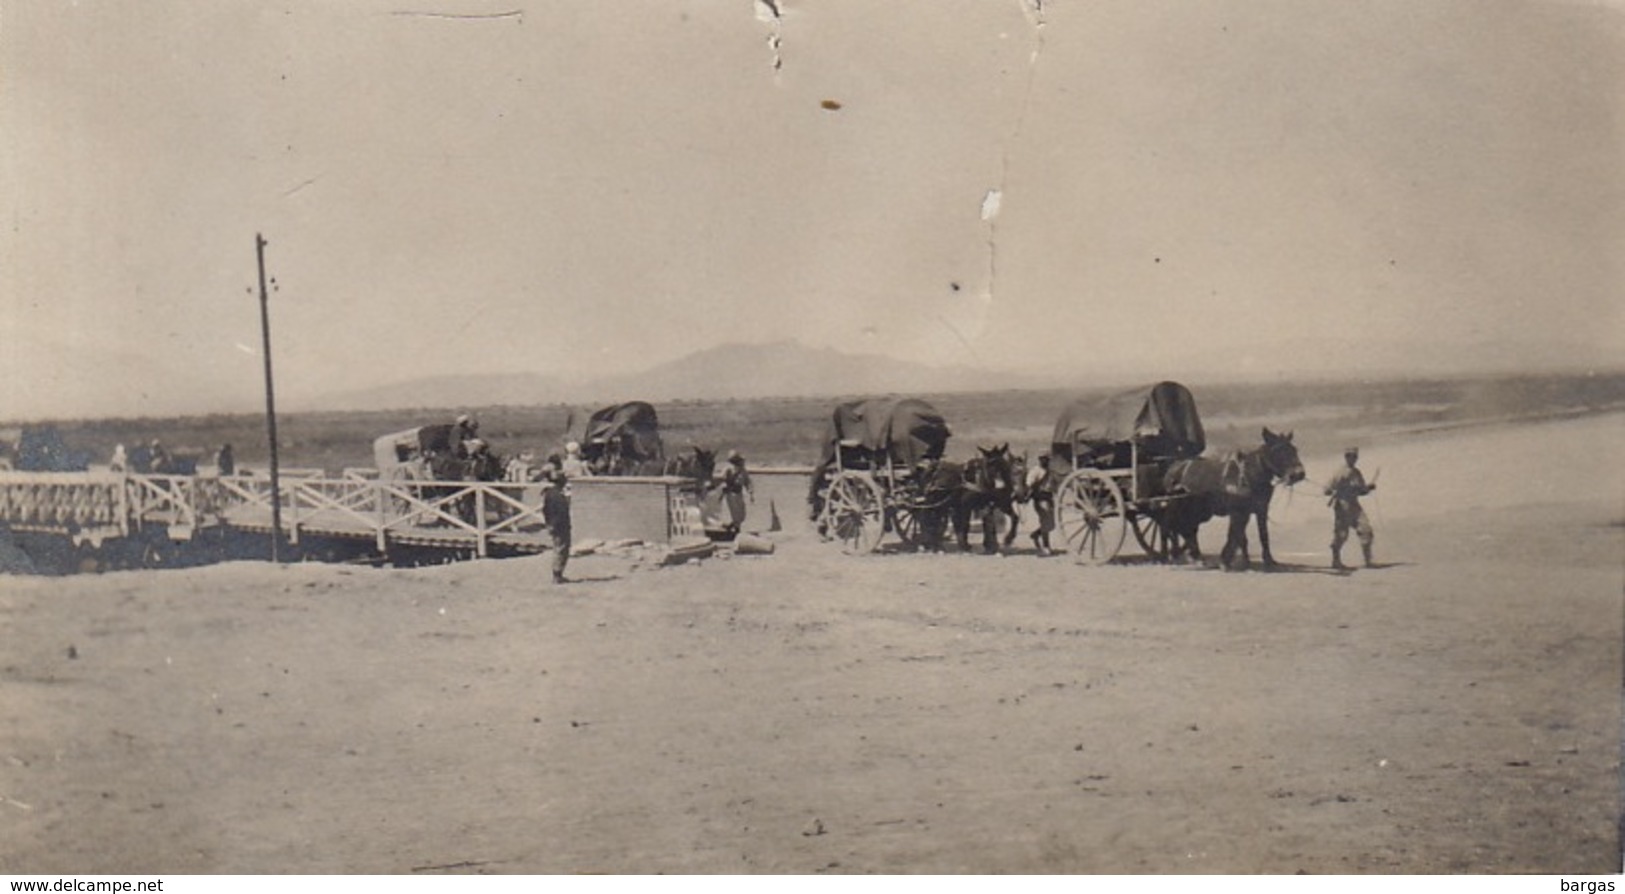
column 777, row 369
column 791, row 369
column 446, row 391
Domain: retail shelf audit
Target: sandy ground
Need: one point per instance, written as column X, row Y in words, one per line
column 1458, row 710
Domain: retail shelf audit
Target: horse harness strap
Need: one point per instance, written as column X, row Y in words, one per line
column 1233, row 473
column 1267, row 461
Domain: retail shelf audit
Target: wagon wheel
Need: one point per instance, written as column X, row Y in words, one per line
column 1149, row 531
column 1089, row 511
column 853, row 512
column 905, row 520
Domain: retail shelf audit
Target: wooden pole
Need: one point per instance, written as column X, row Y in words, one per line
column 270, row 407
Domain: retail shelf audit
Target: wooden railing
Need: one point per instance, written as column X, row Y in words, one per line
column 107, row 504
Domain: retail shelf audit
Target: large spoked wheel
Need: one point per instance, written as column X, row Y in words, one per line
column 1090, row 513
column 853, row 512
column 905, row 520
column 1150, row 534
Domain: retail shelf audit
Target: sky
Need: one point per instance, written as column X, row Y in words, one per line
column 501, row 186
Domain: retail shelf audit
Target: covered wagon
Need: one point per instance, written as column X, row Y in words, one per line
column 624, row 439
column 865, row 483
column 1114, row 452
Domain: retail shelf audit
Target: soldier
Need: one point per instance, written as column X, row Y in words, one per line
column 736, row 486
column 1345, row 491
column 556, row 515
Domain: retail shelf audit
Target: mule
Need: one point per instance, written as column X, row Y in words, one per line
column 446, row 466
column 1240, row 487
column 696, row 465
column 988, row 484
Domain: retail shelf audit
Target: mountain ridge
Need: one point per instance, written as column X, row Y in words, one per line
column 791, row 369
column 786, row 369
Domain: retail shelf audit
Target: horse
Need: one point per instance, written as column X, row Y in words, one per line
column 695, row 464
column 482, row 465
column 1239, row 486
column 992, row 482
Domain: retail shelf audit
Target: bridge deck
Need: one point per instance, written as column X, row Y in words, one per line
column 478, row 516
column 428, row 533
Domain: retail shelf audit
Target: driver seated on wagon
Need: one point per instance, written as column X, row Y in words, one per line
column 1100, row 454
column 853, row 455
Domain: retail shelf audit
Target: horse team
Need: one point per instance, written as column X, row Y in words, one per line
column 990, row 486
column 1156, row 445
column 1147, row 442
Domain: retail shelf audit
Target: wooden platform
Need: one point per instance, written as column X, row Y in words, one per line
column 480, row 518
column 256, row 519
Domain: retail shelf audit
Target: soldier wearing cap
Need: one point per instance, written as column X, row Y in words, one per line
column 1344, row 493
column 556, row 515
column 735, row 487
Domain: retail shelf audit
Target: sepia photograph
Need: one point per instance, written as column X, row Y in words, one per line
column 1162, row 438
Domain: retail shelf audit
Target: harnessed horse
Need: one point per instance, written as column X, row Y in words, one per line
column 1239, row 486
column 696, row 464
column 987, row 484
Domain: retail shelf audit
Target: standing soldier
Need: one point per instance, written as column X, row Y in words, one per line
column 1041, row 490
column 556, row 515
column 1345, row 491
column 735, row 487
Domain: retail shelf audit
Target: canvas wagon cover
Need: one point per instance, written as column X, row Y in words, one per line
column 402, row 446
column 1162, row 418
column 635, row 422
column 910, row 429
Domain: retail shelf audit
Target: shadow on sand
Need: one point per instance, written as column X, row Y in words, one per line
column 588, row 579
column 1296, row 568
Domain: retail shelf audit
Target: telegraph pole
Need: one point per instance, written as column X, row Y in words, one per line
column 270, row 407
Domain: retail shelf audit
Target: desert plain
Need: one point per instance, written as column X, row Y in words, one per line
column 1456, row 709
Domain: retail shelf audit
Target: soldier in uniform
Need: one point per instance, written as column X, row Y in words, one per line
column 556, row 515
column 736, row 486
column 1345, row 491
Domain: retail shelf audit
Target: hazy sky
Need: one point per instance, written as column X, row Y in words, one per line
column 602, row 186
